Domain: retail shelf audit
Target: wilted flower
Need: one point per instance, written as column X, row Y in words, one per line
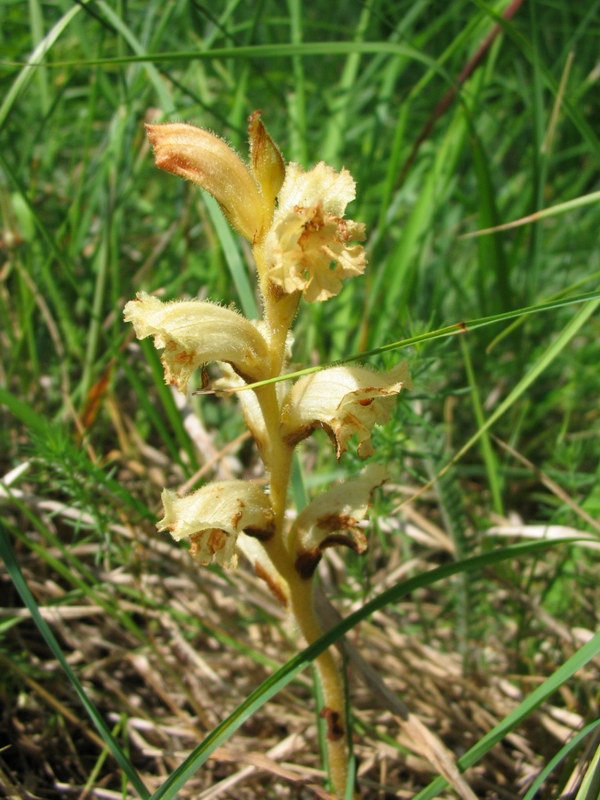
column 213, row 516
column 346, row 401
column 246, row 195
column 307, row 247
column 332, row 518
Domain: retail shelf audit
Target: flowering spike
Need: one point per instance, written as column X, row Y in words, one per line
column 302, row 246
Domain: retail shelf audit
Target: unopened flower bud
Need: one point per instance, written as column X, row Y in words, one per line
column 207, row 160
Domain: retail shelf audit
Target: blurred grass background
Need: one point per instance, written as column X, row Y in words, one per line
column 452, row 117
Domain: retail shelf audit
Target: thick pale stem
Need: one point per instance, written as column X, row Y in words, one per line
column 279, row 312
column 279, row 309
column 278, row 455
column 334, row 708
column 301, row 606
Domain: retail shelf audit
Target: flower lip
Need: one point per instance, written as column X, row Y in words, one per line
column 333, row 518
column 345, row 401
column 307, row 247
column 214, row 516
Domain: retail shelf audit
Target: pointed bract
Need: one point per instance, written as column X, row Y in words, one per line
column 267, row 162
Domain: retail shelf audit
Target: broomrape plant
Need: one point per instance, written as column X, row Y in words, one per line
column 303, row 247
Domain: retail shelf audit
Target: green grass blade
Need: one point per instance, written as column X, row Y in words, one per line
column 51, row 282
column 545, row 359
column 545, row 213
column 258, row 51
column 35, row 59
column 283, row 676
column 236, row 266
column 487, row 452
column 115, row 20
column 36, row 22
column 297, row 99
column 168, row 403
column 585, row 654
column 20, row 583
column 590, row 786
column 22, row 411
column 42, row 430
column 441, row 333
column 556, row 759
column 526, row 48
column 337, row 116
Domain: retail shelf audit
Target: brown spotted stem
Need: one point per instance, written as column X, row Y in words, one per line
column 278, row 315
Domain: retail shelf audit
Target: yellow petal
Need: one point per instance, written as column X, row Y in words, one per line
column 207, row 160
column 332, row 518
column 308, row 245
column 214, row 516
column 194, row 332
column 346, row 401
column 267, row 163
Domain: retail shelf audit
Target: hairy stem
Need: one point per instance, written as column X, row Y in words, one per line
column 278, row 316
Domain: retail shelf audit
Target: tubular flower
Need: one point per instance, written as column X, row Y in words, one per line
column 307, row 247
column 346, row 401
column 332, row 518
column 246, row 195
column 214, row 516
column 194, row 332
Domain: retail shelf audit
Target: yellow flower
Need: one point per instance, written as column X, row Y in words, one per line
column 333, row 518
column 308, row 246
column 246, row 194
column 194, row 332
column 214, row 516
column 345, row 401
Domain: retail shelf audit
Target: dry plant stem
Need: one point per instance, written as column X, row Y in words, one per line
column 302, row 608
column 279, row 314
column 334, row 710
